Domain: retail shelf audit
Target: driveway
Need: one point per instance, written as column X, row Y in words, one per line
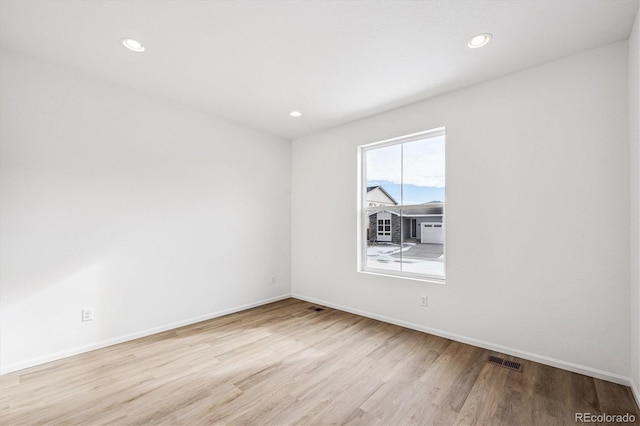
column 422, row 251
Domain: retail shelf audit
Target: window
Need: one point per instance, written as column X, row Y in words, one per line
column 402, row 207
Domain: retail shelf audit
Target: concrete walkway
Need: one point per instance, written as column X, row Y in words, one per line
column 411, row 250
column 423, row 251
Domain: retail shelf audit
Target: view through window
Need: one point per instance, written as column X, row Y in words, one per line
column 404, row 206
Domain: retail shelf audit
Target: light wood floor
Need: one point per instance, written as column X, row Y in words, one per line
column 286, row 364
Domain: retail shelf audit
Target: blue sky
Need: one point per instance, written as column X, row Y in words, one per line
column 418, row 167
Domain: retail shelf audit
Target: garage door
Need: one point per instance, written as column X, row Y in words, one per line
column 431, row 233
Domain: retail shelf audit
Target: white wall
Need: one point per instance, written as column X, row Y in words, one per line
column 634, row 138
column 149, row 212
column 537, row 208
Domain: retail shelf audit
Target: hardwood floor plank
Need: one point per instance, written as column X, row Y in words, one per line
column 482, row 402
column 514, row 408
column 615, row 399
column 361, row 417
column 583, row 396
column 463, row 382
column 283, row 363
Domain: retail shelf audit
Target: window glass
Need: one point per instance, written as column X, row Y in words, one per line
column 403, row 234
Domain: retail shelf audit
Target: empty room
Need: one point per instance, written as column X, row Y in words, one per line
column 290, row 212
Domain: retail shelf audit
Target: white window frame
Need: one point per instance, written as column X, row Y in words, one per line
column 364, row 209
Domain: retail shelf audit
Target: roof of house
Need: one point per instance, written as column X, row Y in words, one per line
column 430, row 209
column 371, row 188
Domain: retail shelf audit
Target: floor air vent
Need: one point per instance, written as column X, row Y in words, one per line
column 511, row 365
column 316, row 308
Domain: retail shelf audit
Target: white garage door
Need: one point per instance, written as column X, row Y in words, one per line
column 431, row 233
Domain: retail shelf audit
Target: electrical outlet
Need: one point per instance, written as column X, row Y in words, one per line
column 87, row 314
column 424, row 301
column 273, row 279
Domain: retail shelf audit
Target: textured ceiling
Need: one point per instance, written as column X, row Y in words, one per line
column 336, row 61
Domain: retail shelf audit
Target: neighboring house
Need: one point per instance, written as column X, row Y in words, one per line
column 377, row 196
column 424, row 225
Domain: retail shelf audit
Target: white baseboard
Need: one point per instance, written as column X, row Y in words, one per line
column 553, row 362
column 114, row 341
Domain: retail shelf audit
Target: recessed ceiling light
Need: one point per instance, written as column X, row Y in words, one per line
column 295, row 114
column 132, row 44
column 479, row 40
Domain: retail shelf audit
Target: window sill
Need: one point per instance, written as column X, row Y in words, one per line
column 404, row 276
